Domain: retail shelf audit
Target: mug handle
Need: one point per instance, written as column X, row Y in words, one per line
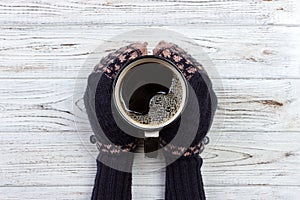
column 151, row 144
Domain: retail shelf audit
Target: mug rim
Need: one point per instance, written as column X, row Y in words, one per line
column 142, row 60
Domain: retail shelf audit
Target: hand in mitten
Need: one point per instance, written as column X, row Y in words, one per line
column 183, row 176
column 113, row 178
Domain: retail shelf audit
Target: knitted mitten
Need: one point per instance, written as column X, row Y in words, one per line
column 183, row 177
column 111, row 182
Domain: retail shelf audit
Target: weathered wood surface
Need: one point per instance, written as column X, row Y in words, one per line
column 244, row 105
column 236, row 51
column 83, row 192
column 254, row 45
column 149, row 12
column 234, row 160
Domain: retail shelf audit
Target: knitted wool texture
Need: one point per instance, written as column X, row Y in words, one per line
column 183, row 177
column 110, row 183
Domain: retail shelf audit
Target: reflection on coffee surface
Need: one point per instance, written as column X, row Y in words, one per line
column 154, row 103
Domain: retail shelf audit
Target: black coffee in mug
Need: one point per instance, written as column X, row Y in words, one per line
column 149, row 93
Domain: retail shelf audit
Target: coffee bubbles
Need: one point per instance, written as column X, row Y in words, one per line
column 162, row 106
column 150, row 92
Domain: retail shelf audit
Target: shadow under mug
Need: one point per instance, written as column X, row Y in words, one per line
column 149, row 93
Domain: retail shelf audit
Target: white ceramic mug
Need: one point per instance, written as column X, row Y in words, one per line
column 157, row 73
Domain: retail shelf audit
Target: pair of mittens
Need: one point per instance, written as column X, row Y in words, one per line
column 183, row 176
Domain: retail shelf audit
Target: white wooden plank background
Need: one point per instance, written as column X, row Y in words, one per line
column 254, row 44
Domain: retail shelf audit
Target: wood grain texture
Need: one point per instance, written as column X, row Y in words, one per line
column 236, row 160
column 150, row 12
column 84, row 192
column 57, row 52
column 47, row 49
column 52, row 105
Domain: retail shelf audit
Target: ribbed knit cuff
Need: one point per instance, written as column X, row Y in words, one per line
column 184, row 180
column 111, row 184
